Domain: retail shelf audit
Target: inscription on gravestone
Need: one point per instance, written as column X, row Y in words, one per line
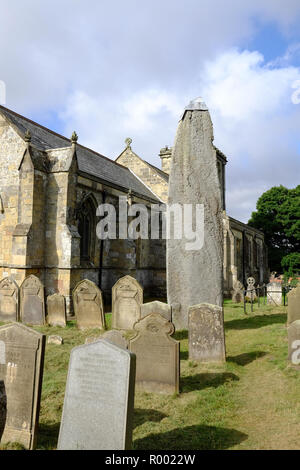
column 56, row 309
column 88, row 305
column 9, row 299
column 21, row 370
column 157, row 355
column 32, row 301
column 99, row 398
column 127, row 297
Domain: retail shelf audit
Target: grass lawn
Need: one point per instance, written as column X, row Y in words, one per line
column 251, row 402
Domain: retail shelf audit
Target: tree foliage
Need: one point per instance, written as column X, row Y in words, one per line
column 278, row 216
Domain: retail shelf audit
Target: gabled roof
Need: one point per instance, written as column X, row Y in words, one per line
column 89, row 161
column 161, row 173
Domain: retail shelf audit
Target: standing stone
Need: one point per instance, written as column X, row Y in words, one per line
column 206, row 333
column 195, row 271
column 9, row 300
column 157, row 355
column 114, row 336
column 99, row 399
column 127, row 297
column 32, row 301
column 157, row 307
column 88, row 305
column 294, row 304
column 21, row 369
column 238, row 292
column 294, row 342
column 56, row 309
column 274, row 293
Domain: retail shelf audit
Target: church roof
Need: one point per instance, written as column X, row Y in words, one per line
column 89, row 161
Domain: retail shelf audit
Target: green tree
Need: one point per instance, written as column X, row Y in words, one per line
column 278, row 216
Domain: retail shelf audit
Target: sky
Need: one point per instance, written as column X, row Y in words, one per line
column 116, row 69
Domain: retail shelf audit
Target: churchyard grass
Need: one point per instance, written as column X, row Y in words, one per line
column 251, row 402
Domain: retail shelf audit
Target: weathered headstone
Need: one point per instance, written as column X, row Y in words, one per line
column 294, row 304
column 195, row 263
column 127, row 297
column 21, row 370
column 274, row 293
column 32, row 301
column 157, row 307
column 99, row 398
column 114, row 336
column 206, row 333
column 238, row 292
column 56, row 310
column 294, row 342
column 157, row 355
column 251, row 292
column 88, row 305
column 55, row 339
column 9, row 300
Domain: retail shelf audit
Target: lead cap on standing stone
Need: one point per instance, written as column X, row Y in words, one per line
column 197, row 104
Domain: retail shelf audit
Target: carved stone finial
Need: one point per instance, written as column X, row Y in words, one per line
column 128, row 142
column 74, row 138
column 27, row 136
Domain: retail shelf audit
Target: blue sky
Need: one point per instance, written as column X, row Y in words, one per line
column 115, row 69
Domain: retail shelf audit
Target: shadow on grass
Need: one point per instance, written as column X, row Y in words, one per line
column 142, row 416
column 184, row 355
column 48, row 436
column 257, row 321
column 246, row 358
column 198, row 437
column 205, row 380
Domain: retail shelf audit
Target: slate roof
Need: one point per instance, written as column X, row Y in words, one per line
column 89, row 161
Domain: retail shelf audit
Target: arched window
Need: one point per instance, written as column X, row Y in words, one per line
column 86, row 229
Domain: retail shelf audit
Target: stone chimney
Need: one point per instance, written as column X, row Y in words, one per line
column 166, row 156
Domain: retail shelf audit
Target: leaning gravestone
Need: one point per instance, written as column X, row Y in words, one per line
column 294, row 304
column 9, row 300
column 127, row 297
column 157, row 307
column 274, row 293
column 294, row 342
column 157, row 355
column 238, row 292
column 32, row 301
column 88, row 305
column 56, row 309
column 99, row 399
column 21, row 369
column 194, row 261
column 206, row 333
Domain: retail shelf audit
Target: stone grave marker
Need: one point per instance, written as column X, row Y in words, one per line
column 99, row 398
column 206, row 333
column 115, row 336
column 32, row 301
column 238, row 292
column 56, row 310
column 157, row 355
column 294, row 342
column 21, row 369
column 251, row 293
column 274, row 293
column 9, row 300
column 127, row 298
column 88, row 305
column 157, row 307
column 294, row 304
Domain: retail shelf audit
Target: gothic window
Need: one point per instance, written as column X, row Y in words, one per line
column 86, row 230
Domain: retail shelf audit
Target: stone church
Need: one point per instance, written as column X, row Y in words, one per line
column 50, row 188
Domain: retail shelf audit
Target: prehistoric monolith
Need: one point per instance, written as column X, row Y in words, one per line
column 195, row 256
column 99, row 398
column 21, row 369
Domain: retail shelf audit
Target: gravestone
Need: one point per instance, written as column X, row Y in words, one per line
column 157, row 355
column 274, row 294
column 21, row 369
column 238, row 292
column 114, row 336
column 32, row 301
column 157, row 307
column 127, row 297
column 294, row 304
column 56, row 310
column 99, row 399
column 251, row 292
column 88, row 305
column 294, row 342
column 195, row 267
column 206, row 333
column 9, row 300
